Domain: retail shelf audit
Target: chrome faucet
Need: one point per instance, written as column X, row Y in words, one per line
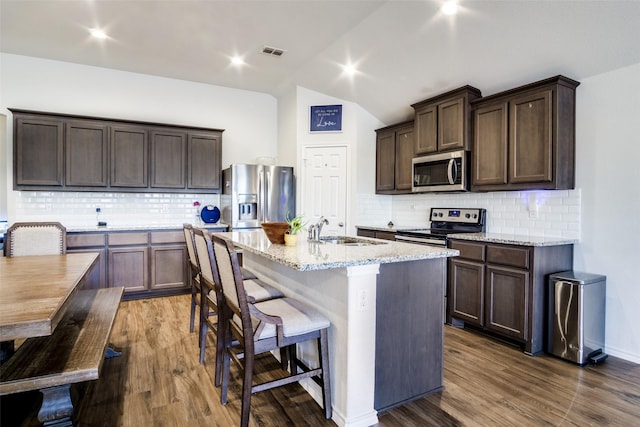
column 316, row 229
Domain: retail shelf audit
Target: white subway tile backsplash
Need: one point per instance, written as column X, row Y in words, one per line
column 558, row 212
column 79, row 208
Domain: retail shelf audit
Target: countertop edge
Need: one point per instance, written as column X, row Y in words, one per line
column 514, row 239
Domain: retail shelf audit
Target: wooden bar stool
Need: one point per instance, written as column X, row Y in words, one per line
column 211, row 293
column 261, row 327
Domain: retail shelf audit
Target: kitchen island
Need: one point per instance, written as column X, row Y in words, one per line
column 385, row 304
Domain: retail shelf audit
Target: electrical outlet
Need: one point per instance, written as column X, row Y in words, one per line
column 363, row 300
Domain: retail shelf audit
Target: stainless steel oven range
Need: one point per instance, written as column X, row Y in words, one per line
column 445, row 221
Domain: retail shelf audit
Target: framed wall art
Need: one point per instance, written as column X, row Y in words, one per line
column 325, row 118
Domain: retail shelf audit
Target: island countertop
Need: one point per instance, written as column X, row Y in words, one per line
column 307, row 256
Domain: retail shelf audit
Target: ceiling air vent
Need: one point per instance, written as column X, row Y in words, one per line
column 273, row 51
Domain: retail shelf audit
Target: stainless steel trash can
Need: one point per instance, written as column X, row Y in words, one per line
column 577, row 316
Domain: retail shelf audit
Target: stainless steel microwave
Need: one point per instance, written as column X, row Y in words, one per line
column 440, row 172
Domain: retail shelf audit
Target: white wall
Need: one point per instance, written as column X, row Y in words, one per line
column 608, row 172
column 248, row 118
column 357, row 135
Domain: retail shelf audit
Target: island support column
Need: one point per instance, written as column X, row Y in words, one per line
column 347, row 297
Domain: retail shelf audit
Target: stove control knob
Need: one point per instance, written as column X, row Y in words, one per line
column 475, row 216
column 440, row 214
column 467, row 216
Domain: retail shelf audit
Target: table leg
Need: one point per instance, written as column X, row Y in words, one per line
column 57, row 408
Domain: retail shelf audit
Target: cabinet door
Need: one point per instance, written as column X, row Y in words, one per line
column 404, row 155
column 86, row 154
column 98, row 277
column 385, row 161
column 168, row 267
column 466, row 291
column 530, row 139
column 168, row 151
column 490, row 145
column 451, row 125
column 128, row 267
column 129, row 156
column 38, row 145
column 204, row 151
column 507, row 301
column 426, row 128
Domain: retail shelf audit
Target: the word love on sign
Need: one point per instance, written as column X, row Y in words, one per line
column 325, row 118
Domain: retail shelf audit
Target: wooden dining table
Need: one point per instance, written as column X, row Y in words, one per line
column 35, row 291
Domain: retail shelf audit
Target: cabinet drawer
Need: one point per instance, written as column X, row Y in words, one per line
column 167, row 237
column 386, row 235
column 128, row 239
column 85, row 239
column 468, row 250
column 364, row 232
column 508, row 255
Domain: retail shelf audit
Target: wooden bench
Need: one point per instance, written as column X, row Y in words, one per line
column 73, row 353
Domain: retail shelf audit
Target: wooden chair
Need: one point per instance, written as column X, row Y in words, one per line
column 211, row 295
column 36, row 238
column 266, row 326
column 194, row 275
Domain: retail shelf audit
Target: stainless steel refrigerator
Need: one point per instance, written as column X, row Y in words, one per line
column 253, row 194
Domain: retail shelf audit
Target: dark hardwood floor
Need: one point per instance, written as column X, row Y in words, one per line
column 158, row 382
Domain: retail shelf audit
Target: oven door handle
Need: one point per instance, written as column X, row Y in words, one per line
column 421, row 240
column 452, row 171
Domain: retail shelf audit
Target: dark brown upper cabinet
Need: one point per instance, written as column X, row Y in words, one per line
column 204, row 160
column 59, row 152
column 524, row 138
column 168, row 150
column 394, row 152
column 442, row 123
column 38, row 148
column 86, row 148
column 129, row 156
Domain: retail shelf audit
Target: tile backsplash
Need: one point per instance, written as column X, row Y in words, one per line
column 117, row 209
column 528, row 213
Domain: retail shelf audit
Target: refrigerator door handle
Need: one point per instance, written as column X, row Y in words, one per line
column 261, row 197
column 267, row 196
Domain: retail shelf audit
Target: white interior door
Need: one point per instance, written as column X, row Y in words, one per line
column 324, row 187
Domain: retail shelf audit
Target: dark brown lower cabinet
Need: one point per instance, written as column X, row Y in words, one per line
column 91, row 242
column 501, row 289
column 164, row 260
column 409, row 331
column 376, row 234
column 128, row 268
column 146, row 263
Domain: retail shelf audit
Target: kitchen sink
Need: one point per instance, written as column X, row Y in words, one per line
column 348, row 241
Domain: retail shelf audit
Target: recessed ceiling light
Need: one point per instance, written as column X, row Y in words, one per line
column 450, row 7
column 237, row 60
column 97, row 33
column 350, row 69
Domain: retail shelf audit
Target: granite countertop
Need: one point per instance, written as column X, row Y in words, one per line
column 514, row 239
column 505, row 238
column 307, row 256
column 395, row 228
column 138, row 227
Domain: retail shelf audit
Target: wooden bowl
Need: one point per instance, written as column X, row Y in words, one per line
column 275, row 231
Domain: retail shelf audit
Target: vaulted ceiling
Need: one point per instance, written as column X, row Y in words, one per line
column 405, row 51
